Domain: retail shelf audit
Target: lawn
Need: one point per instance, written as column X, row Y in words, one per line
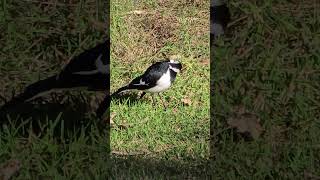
column 172, row 142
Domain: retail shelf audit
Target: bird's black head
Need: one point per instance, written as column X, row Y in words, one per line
column 175, row 65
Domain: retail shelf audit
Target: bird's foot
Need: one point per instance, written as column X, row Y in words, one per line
column 165, row 105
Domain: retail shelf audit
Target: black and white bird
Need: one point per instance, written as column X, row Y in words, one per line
column 157, row 78
column 88, row 70
column 219, row 17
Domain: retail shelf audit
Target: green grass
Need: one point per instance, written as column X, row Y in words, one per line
column 179, row 136
column 270, row 65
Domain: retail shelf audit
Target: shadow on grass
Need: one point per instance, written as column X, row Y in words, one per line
column 154, row 167
column 129, row 99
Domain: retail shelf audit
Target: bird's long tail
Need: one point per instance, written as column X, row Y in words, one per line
column 127, row 87
column 34, row 90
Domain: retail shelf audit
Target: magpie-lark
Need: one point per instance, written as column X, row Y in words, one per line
column 88, row 70
column 157, row 78
column 219, row 17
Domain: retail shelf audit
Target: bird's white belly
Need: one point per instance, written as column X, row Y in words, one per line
column 162, row 84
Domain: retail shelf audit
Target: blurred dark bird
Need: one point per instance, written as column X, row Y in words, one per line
column 88, row 70
column 219, row 17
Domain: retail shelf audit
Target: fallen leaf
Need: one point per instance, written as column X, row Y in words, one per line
column 186, row 101
column 246, row 122
column 205, row 62
column 9, row 168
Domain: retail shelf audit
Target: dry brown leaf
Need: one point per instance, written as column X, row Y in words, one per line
column 246, row 123
column 205, row 62
column 186, row 101
column 9, row 168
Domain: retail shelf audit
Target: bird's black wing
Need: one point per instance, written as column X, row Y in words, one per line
column 86, row 60
column 82, row 71
column 148, row 79
column 151, row 76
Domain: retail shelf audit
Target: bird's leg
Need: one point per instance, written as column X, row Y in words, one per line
column 153, row 100
column 164, row 104
column 143, row 93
